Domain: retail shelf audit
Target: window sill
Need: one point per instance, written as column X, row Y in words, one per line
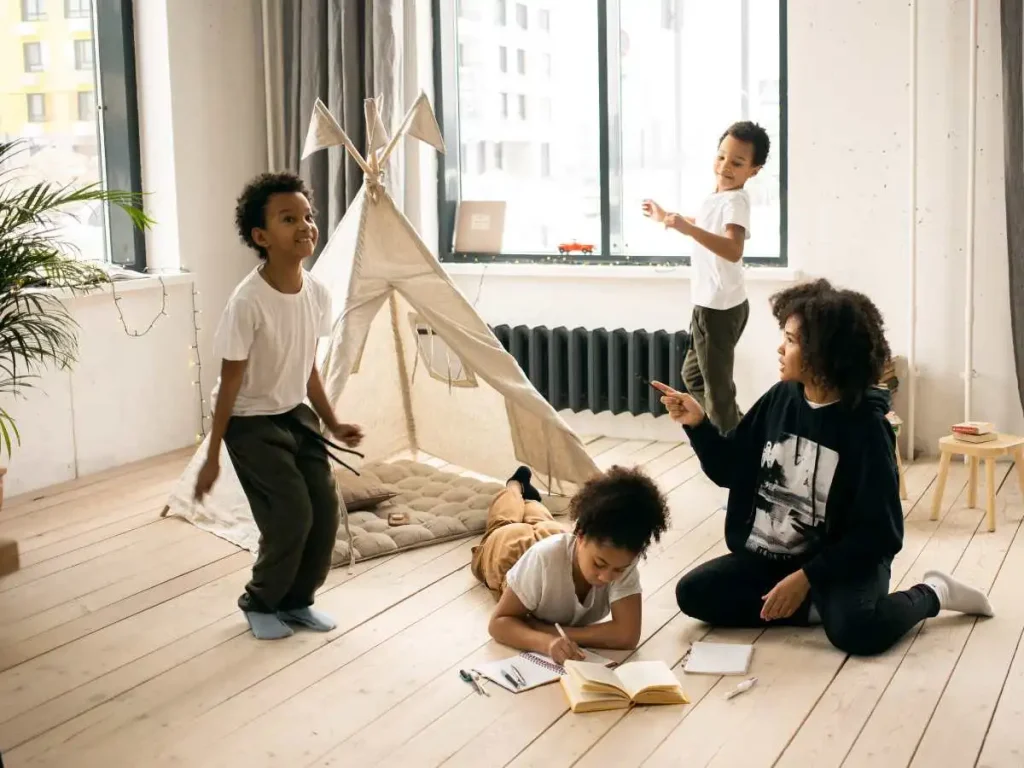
column 602, row 272
column 122, row 287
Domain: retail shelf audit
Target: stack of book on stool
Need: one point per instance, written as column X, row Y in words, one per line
column 975, row 432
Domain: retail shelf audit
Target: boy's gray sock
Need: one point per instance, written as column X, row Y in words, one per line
column 267, row 626
column 308, row 617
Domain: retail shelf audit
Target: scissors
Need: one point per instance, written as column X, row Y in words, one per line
column 471, row 679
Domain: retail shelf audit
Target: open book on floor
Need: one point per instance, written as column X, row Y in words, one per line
column 593, row 688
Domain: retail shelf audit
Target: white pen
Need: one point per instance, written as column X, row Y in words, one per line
column 746, row 685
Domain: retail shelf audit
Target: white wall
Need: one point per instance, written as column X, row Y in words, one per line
column 126, row 399
column 203, row 126
column 848, row 195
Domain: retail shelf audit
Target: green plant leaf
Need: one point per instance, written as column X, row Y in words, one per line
column 36, row 330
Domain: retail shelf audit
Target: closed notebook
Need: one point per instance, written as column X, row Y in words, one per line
column 536, row 669
column 718, row 659
column 594, row 688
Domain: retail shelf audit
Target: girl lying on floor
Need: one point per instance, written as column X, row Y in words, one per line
column 543, row 575
column 814, row 517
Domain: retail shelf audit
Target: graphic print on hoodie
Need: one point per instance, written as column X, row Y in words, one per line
column 792, row 492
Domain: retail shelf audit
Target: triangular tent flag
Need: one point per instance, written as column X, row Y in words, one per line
column 411, row 362
column 424, row 125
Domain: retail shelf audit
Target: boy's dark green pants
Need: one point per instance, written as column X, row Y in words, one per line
column 707, row 369
column 286, row 476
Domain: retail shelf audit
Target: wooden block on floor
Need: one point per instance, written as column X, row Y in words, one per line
column 8, row 557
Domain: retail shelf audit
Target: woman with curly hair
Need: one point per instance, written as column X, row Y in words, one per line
column 814, row 517
column 543, row 575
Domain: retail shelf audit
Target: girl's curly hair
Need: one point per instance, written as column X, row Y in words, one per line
column 842, row 336
column 622, row 507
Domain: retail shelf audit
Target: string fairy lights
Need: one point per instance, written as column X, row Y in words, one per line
column 195, row 360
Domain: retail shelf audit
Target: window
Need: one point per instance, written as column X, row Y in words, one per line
column 83, row 55
column 503, row 58
column 469, row 9
column 668, row 13
column 68, row 140
column 499, row 156
column 77, row 9
column 33, row 53
column 86, row 106
column 441, row 362
column 521, row 61
column 33, row 10
column 614, row 144
column 36, row 107
column 522, row 16
column 501, row 12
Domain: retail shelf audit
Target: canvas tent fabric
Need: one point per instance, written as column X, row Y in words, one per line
column 409, row 359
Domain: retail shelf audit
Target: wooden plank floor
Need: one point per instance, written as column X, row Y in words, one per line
column 120, row 644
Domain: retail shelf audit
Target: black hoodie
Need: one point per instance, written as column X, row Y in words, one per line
column 815, row 485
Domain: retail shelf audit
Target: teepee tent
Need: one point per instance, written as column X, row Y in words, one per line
column 409, row 359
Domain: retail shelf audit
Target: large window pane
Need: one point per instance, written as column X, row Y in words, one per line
column 48, row 100
column 668, row 143
column 532, row 127
column 524, row 104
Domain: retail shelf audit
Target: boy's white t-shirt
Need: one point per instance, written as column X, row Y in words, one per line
column 277, row 333
column 717, row 283
column 542, row 580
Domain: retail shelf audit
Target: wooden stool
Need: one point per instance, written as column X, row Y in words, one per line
column 1002, row 445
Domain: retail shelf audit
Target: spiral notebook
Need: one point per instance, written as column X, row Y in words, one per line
column 536, row 669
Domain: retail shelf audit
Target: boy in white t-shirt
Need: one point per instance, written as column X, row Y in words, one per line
column 267, row 341
column 720, row 307
column 544, row 575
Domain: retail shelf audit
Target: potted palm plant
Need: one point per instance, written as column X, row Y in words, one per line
column 36, row 329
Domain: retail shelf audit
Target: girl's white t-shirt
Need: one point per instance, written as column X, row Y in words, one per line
column 542, row 580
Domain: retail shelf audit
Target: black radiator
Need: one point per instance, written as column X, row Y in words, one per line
column 598, row 370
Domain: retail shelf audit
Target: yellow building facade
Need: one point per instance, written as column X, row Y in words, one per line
column 48, row 79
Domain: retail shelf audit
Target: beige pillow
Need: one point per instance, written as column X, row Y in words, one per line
column 359, row 493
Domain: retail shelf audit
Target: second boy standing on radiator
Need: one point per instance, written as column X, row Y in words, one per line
column 719, row 296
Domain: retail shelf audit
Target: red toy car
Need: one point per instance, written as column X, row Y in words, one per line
column 585, row 248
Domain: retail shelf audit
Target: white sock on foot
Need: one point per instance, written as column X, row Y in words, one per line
column 956, row 596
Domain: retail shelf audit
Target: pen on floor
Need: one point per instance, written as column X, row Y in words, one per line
column 519, row 675
column 746, row 685
column 512, row 680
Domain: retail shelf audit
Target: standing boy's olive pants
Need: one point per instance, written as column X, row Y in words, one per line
column 707, row 369
column 284, row 470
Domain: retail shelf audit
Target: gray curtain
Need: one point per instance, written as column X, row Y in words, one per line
column 342, row 52
column 1011, row 17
